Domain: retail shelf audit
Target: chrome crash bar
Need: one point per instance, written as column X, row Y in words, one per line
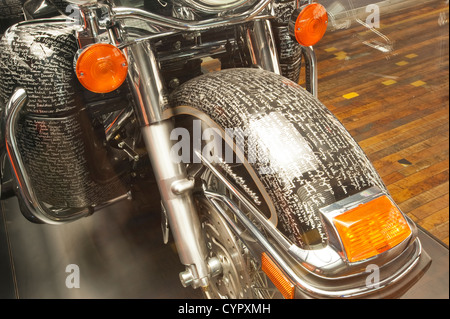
column 35, row 208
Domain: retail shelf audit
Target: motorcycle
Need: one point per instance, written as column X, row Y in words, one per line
column 264, row 192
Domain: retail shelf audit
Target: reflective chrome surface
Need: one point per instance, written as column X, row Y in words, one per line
column 179, row 206
column 176, row 24
column 327, row 263
column 145, row 82
column 260, row 43
column 150, row 97
column 82, row 2
column 213, row 6
column 92, row 24
column 120, row 254
column 316, row 289
column 311, row 72
column 202, row 50
column 196, row 258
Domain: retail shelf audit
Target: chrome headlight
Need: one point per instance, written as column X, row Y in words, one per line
column 215, row 6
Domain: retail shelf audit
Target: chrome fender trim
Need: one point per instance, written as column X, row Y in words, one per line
column 304, row 282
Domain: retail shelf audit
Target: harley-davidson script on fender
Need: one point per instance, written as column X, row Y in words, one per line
column 265, row 193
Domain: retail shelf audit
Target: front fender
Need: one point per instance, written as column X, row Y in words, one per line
column 296, row 150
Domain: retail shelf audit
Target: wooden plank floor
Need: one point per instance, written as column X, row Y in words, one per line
column 396, row 104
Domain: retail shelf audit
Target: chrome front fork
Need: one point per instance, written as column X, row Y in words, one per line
column 261, row 45
column 263, row 53
column 175, row 188
column 150, row 99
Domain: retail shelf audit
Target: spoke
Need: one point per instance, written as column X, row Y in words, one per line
column 248, row 266
column 266, row 289
column 267, row 293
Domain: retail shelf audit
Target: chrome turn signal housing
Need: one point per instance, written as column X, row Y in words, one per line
column 308, row 24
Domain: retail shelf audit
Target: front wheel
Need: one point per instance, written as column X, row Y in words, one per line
column 234, row 280
column 240, row 275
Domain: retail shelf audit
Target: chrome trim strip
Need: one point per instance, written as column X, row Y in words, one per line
column 188, row 110
column 60, row 19
column 312, row 78
column 353, row 201
column 214, row 6
column 322, row 262
column 261, row 219
column 296, row 278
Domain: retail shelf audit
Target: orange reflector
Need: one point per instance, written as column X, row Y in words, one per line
column 101, row 68
column 278, row 278
column 371, row 228
column 311, row 24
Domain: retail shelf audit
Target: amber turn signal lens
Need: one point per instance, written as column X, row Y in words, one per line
column 311, row 24
column 101, row 68
column 276, row 275
column 371, row 228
